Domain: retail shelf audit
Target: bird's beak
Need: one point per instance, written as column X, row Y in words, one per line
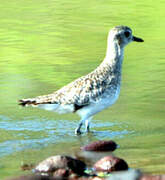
column 137, row 39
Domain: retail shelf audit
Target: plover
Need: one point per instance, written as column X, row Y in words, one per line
column 95, row 91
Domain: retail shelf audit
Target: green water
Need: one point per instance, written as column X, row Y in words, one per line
column 46, row 44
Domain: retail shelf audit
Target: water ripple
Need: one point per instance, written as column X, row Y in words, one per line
column 50, row 132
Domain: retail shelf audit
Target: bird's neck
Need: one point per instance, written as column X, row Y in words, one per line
column 114, row 57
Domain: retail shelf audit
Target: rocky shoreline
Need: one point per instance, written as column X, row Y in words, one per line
column 110, row 167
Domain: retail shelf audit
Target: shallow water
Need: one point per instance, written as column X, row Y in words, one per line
column 45, row 45
column 54, row 132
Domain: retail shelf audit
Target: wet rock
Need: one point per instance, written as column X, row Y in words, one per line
column 156, row 177
column 33, row 177
column 110, row 164
column 100, row 146
column 65, row 174
column 61, row 173
column 97, row 178
column 26, row 167
column 54, row 163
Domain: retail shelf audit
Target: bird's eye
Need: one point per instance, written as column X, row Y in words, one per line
column 127, row 34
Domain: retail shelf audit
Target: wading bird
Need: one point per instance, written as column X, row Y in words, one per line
column 95, row 91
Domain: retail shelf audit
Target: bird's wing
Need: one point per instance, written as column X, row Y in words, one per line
column 79, row 92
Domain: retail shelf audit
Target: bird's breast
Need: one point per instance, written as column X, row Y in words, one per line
column 108, row 98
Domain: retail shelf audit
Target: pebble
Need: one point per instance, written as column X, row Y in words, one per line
column 110, row 164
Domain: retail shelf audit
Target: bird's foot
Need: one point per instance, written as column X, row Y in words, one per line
column 77, row 131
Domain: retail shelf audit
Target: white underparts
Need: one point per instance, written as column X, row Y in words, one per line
column 106, row 101
column 61, row 109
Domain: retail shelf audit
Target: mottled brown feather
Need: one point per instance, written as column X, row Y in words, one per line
column 79, row 92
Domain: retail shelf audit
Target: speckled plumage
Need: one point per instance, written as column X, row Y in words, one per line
column 94, row 92
column 83, row 90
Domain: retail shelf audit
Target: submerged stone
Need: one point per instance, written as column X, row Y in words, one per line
column 28, row 167
column 100, row 146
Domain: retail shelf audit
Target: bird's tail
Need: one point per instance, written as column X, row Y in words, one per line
column 47, row 105
column 44, row 99
column 28, row 102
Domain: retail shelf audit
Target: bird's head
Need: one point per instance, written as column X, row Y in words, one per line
column 122, row 35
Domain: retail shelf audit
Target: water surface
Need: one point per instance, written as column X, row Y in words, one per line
column 47, row 44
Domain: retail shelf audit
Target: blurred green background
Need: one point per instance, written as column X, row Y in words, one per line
column 47, row 44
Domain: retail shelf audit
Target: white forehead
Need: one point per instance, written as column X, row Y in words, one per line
column 120, row 29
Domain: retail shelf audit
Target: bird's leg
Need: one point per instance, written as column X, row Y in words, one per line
column 87, row 124
column 77, row 130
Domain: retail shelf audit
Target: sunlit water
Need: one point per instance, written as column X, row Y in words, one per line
column 47, row 44
column 54, row 130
